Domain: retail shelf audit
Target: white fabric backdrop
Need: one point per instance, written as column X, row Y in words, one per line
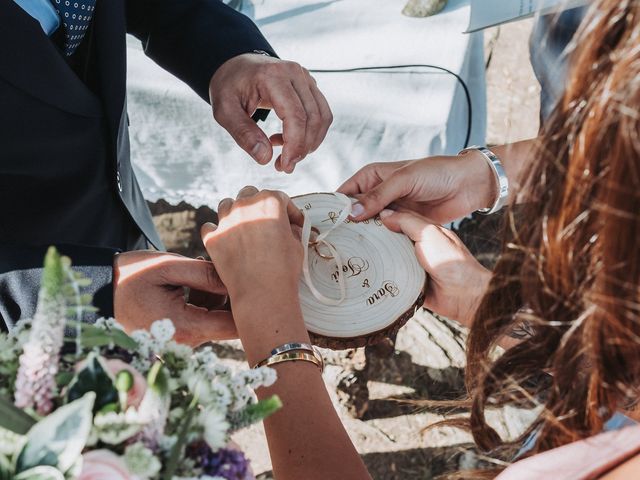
column 181, row 154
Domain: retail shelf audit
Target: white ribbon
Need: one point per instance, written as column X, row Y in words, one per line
column 321, row 239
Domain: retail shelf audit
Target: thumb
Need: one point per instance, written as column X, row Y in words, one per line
column 435, row 245
column 386, row 192
column 235, row 120
column 412, row 225
column 207, row 233
column 191, row 273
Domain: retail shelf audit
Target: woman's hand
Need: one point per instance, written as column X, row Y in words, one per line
column 456, row 281
column 254, row 247
column 441, row 189
column 259, row 258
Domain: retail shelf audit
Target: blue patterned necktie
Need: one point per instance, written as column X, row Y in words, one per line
column 76, row 17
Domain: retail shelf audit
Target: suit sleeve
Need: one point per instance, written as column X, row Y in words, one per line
column 21, row 271
column 193, row 38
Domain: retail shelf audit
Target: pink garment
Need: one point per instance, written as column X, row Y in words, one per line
column 584, row 460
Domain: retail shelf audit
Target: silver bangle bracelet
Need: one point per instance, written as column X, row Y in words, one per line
column 287, row 347
column 297, row 346
column 502, row 182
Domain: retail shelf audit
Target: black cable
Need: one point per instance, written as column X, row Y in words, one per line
column 392, row 67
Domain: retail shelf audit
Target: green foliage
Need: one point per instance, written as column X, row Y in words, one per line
column 256, row 412
column 6, row 469
column 64, row 378
column 54, row 274
column 171, row 465
column 95, row 337
column 157, row 380
column 61, row 283
column 14, row 419
column 58, row 440
column 93, row 378
column 42, row 472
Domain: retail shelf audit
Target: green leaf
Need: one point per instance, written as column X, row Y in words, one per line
column 92, row 336
column 14, row 419
column 110, row 407
column 255, row 412
column 53, row 275
column 157, row 379
column 6, row 469
column 173, row 461
column 64, row 378
column 58, row 440
column 40, row 473
column 93, row 378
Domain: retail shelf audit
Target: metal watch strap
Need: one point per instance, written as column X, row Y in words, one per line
column 502, row 182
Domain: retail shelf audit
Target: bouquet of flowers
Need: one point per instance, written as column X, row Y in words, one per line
column 82, row 401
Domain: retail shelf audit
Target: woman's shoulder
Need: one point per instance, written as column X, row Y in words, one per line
column 615, row 451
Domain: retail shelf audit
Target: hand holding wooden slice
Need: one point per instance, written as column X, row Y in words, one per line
column 382, row 281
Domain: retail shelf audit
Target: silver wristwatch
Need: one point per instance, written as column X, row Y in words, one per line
column 502, row 182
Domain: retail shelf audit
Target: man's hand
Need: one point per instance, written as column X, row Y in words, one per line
column 251, row 81
column 148, row 286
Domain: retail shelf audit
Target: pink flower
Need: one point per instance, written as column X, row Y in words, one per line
column 115, row 366
column 135, row 395
column 104, row 465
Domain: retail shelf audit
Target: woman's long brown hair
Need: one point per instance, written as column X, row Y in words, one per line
column 571, row 261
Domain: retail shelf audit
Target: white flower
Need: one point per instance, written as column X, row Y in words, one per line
column 8, row 353
column 113, row 428
column 143, row 338
column 166, row 442
column 20, row 331
column 199, row 386
column 176, row 414
column 268, row 377
column 179, row 350
column 163, row 330
column 215, row 428
column 141, row 461
column 108, row 324
column 221, row 395
column 143, row 361
column 10, row 443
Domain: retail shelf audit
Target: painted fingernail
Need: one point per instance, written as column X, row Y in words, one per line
column 385, row 213
column 260, row 152
column 357, row 209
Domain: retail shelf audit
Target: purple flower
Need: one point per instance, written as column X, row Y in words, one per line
column 227, row 463
column 36, row 382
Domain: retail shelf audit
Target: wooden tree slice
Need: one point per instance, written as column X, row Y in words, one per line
column 384, row 281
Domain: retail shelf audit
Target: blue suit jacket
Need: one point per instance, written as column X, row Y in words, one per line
column 65, row 166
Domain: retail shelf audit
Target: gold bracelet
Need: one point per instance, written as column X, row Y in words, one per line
column 291, row 357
